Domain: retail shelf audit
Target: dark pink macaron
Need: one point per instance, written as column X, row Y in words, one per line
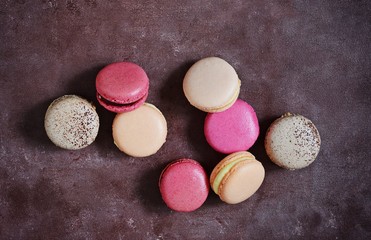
column 235, row 129
column 184, row 185
column 122, row 87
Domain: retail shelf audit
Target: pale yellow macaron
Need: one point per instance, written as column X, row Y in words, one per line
column 141, row 132
column 292, row 141
column 211, row 85
column 237, row 177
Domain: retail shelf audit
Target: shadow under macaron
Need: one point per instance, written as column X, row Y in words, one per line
column 32, row 127
column 185, row 122
column 171, row 94
column 258, row 149
column 209, row 158
column 83, row 85
column 149, row 191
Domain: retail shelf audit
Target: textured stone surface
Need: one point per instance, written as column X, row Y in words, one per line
column 307, row 57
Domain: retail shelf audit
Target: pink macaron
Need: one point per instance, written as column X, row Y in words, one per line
column 184, row 185
column 235, row 129
column 122, row 87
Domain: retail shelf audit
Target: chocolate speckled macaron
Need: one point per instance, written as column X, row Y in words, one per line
column 71, row 122
column 292, row 141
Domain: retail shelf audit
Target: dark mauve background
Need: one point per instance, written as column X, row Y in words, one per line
column 307, row 57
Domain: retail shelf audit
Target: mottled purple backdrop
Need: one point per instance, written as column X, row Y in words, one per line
column 307, row 57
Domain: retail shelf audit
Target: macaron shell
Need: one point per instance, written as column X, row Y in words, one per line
column 141, row 132
column 71, row 122
column 235, row 129
column 241, row 182
column 184, row 185
column 292, row 142
column 122, row 83
column 211, row 84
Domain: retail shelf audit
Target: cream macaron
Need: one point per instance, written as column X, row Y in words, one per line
column 211, row 85
column 71, row 122
column 237, row 177
column 141, row 132
column 292, row 141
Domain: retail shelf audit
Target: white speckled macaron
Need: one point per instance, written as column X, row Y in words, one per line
column 71, row 122
column 292, row 141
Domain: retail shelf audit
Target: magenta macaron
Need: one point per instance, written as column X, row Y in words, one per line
column 235, row 129
column 184, row 185
column 122, row 86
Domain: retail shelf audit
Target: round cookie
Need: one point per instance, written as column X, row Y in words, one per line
column 235, row 129
column 122, row 87
column 292, row 141
column 71, row 122
column 237, row 177
column 184, row 185
column 141, row 132
column 211, row 85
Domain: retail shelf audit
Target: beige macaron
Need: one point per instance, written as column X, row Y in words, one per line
column 292, row 141
column 211, row 85
column 141, row 132
column 237, row 177
column 71, row 122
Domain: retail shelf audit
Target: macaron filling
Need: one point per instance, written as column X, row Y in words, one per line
column 219, row 177
column 116, row 104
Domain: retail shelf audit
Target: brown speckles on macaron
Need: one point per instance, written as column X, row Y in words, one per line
column 292, row 141
column 71, row 122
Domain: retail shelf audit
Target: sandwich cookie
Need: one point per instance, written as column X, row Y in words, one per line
column 211, row 85
column 122, row 87
column 71, row 122
column 235, row 129
column 292, row 141
column 184, row 185
column 237, row 177
column 141, row 132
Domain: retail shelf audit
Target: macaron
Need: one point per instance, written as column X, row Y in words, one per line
column 71, row 122
column 141, row 132
column 184, row 185
column 292, row 141
column 122, row 86
column 235, row 129
column 211, row 85
column 237, row 177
